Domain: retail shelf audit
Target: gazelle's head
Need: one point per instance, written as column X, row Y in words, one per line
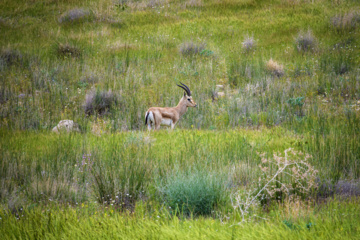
column 187, row 96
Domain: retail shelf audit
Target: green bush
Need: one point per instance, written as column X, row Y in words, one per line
column 194, row 192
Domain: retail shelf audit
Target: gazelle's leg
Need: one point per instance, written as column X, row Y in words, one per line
column 172, row 124
column 157, row 122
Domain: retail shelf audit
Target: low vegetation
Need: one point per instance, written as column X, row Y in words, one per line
column 268, row 76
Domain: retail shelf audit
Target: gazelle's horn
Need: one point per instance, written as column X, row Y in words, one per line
column 186, row 91
column 186, row 88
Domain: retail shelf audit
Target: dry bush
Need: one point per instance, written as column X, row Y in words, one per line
column 75, row 15
column 100, row 102
column 294, row 175
column 248, row 44
column 274, row 68
column 305, row 41
column 190, row 48
column 346, row 21
column 283, row 178
column 65, row 50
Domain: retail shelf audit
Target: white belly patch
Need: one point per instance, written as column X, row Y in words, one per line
column 166, row 121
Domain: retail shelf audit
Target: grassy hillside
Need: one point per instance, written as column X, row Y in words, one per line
column 290, row 78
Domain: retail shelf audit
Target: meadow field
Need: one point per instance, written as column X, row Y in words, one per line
column 271, row 151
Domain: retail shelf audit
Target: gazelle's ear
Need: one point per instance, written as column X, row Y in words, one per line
column 184, row 94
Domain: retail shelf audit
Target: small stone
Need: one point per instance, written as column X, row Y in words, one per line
column 66, row 125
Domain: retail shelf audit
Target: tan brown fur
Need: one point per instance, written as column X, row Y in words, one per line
column 172, row 113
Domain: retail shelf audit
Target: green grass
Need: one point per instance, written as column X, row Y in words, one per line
column 333, row 220
column 50, row 64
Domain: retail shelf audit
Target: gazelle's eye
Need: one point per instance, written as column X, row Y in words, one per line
column 189, row 100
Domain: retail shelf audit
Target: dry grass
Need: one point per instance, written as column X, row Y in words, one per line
column 295, row 208
column 274, row 68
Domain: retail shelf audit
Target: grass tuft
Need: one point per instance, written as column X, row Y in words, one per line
column 274, row 68
column 305, row 41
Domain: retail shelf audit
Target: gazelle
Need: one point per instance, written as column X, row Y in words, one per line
column 169, row 115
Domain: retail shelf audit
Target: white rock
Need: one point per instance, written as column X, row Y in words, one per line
column 66, row 125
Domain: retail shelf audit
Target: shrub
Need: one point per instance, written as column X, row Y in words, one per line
column 296, row 105
column 100, row 102
column 248, row 44
column 283, row 178
column 197, row 192
column 67, row 50
column 305, row 41
column 291, row 174
column 191, row 48
column 274, row 68
column 75, row 15
column 346, row 21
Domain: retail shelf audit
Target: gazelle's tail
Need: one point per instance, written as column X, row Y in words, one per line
column 149, row 119
column 146, row 117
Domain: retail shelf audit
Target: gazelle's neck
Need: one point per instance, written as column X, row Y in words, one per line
column 181, row 107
